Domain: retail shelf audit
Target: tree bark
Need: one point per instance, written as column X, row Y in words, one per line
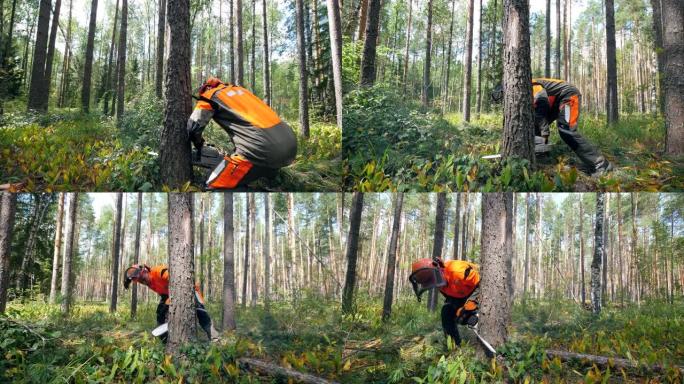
column 604, row 361
column 558, row 39
column 303, row 73
column 268, row 219
column 673, row 45
column 36, row 96
column 370, row 44
column 335, row 26
column 496, row 258
column 56, row 253
column 408, row 45
column 583, row 294
column 245, row 264
column 136, row 257
column 598, row 255
column 479, row 63
column 392, row 258
column 88, row 63
column 69, row 250
column 437, row 244
column 228, row 264
column 8, row 207
column 181, row 267
column 116, row 250
column 467, row 74
column 107, row 86
column 175, row 164
column 239, row 50
column 352, row 252
column 161, row 38
column 426, row 93
column 518, row 134
column 611, row 69
column 457, row 220
column 267, row 62
column 547, row 51
column 121, row 63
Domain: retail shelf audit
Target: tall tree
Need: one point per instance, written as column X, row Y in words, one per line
column 267, row 62
column 303, row 73
column 267, row 249
column 370, row 43
column 336, row 54
column 88, row 62
column 239, row 50
column 49, row 58
column 392, row 257
column 496, row 262
column 121, row 62
column 69, row 250
column 467, row 73
column 42, row 203
column 518, row 135
column 36, row 96
column 408, row 45
column 231, row 40
column 56, row 253
column 136, row 255
column 109, row 80
column 558, row 39
column 181, row 267
column 583, row 294
column 228, row 264
column 479, row 63
column 659, row 51
column 426, row 94
column 547, row 51
column 437, row 244
column 673, row 45
column 448, row 65
column 161, row 36
column 598, row 255
column 116, row 250
column 457, row 220
column 8, row 207
column 175, row 163
column 352, row 252
column 611, row 69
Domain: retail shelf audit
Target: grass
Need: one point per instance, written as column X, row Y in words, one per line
column 67, row 151
column 312, row 335
column 392, row 144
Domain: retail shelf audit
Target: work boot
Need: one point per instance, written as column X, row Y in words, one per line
column 214, row 334
column 602, row 167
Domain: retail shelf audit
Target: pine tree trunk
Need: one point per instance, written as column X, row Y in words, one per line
column 426, row 93
column 239, row 50
column 611, row 69
column 598, row 255
column 70, row 250
column 202, row 253
column 467, row 73
column 268, row 219
column 37, row 89
column 88, row 64
column 479, row 63
column 408, row 45
column 363, row 19
column 39, row 211
column 56, row 253
column 437, row 244
column 267, row 62
column 336, row 55
column 303, row 73
column 8, row 207
column 518, row 134
column 558, row 39
column 116, row 250
column 581, row 258
column 136, row 257
column 392, row 258
column 175, row 155
column 121, row 63
column 496, row 258
column 540, row 244
column 673, row 45
column 228, row 263
column 252, row 214
column 547, row 51
column 457, row 220
column 107, row 86
column 181, row 267
column 526, row 274
column 245, row 264
column 49, row 60
column 352, row 252
column 161, row 38
column 370, row 43
column 252, row 59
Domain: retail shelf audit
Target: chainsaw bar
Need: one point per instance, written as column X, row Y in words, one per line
column 540, row 147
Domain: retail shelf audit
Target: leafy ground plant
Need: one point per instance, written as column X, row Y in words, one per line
column 392, row 144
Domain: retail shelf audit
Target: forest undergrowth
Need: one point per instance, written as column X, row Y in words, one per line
column 390, row 144
column 68, row 151
column 311, row 335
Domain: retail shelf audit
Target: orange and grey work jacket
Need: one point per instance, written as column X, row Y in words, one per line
column 159, row 282
column 547, row 96
column 462, row 278
column 258, row 133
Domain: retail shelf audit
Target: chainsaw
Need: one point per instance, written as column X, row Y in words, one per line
column 540, row 147
column 488, row 347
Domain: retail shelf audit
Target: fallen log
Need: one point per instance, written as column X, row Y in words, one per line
column 605, row 361
column 276, row 370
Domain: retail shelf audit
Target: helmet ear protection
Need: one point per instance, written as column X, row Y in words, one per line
column 134, row 272
column 427, row 275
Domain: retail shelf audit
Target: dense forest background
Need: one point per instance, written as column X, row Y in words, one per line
column 93, row 72
column 419, row 114
column 320, row 285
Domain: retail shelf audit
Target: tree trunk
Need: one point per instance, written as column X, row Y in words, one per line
column 526, row 274
column 8, row 207
column 239, row 50
column 116, row 250
column 392, row 258
column 518, row 134
column 583, row 294
column 437, row 244
column 611, row 69
column 336, row 55
column 56, row 253
column 70, row 246
column 107, row 86
column 370, row 43
column 252, row 244
column 136, row 257
column 446, row 103
column 408, row 45
column 181, row 267
column 39, row 211
column 457, row 220
column 121, row 63
column 268, row 219
column 659, row 52
column 245, row 264
column 175, row 147
column 598, row 256
column 267, row 62
column 161, row 38
column 479, row 63
column 558, row 39
column 202, row 253
column 363, row 19
column 88, row 64
column 303, row 73
column 49, row 60
column 228, row 264
column 37, row 89
column 252, row 59
column 65, row 60
column 673, row 45
column 426, row 93
column 547, row 51
column 496, row 258
column 467, row 73
column 352, row 251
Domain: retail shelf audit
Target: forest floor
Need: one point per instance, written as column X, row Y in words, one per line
column 389, row 144
column 311, row 335
column 67, row 151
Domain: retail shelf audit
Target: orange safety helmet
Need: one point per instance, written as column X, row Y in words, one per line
column 426, row 274
column 212, row 82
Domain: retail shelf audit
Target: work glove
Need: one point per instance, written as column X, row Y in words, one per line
column 127, row 282
column 467, row 314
